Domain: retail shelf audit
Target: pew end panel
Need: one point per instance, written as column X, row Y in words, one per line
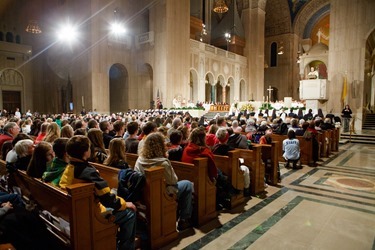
column 88, row 228
column 204, row 208
column 230, row 166
column 160, row 207
column 270, row 157
column 253, row 160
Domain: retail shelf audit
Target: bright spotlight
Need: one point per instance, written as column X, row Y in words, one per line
column 67, row 33
column 117, row 29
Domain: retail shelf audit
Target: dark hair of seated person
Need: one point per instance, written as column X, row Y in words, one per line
column 80, row 131
column 59, row 147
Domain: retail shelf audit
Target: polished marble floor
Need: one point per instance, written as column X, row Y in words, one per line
column 331, row 206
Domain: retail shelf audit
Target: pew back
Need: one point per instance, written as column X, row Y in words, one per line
column 230, row 166
column 77, row 205
column 305, row 147
column 160, row 207
column 253, row 160
column 204, row 209
column 270, row 157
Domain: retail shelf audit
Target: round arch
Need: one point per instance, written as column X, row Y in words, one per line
column 319, row 65
column 243, row 90
column 229, row 90
column 145, row 98
column 209, row 88
column 193, row 85
column 12, row 88
column 220, row 89
column 118, row 88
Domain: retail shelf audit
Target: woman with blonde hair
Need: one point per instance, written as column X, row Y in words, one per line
column 67, row 131
column 98, row 152
column 116, row 157
column 53, row 132
column 154, row 153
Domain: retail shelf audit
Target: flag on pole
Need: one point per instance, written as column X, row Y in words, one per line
column 158, row 99
column 344, row 91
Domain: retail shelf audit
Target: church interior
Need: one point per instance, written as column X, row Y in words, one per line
column 184, row 50
column 62, row 56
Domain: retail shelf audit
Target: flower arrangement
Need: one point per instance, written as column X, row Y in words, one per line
column 247, row 106
column 266, row 106
column 187, row 108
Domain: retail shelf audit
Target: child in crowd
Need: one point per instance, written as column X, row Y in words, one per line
column 78, row 148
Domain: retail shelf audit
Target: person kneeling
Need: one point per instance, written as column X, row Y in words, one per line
column 291, row 150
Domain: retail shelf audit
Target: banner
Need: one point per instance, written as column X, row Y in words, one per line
column 344, row 91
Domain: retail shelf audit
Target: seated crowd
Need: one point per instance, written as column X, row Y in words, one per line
column 59, row 148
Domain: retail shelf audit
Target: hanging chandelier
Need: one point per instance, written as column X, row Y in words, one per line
column 33, row 27
column 220, row 6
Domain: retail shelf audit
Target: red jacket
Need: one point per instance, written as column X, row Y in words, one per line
column 4, row 138
column 193, row 151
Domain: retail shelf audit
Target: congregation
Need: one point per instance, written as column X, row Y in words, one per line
column 60, row 149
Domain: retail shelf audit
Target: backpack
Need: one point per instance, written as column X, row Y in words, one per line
column 130, row 184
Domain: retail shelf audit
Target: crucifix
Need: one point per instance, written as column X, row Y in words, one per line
column 269, row 93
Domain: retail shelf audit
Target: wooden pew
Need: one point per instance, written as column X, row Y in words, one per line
column 305, row 146
column 160, row 207
column 131, row 159
column 324, row 141
column 230, row 166
column 335, row 139
column 270, row 157
column 253, row 160
column 77, row 205
column 204, row 209
column 330, row 142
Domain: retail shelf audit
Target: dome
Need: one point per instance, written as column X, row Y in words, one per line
column 319, row 48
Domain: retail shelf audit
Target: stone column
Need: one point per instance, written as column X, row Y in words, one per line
column 224, row 94
column 254, row 19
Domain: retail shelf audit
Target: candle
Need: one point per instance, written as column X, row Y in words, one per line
column 263, row 98
column 83, row 101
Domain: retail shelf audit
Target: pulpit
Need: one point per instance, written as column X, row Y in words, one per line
column 314, row 92
column 315, row 89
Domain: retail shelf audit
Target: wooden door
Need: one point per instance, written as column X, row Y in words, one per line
column 11, row 101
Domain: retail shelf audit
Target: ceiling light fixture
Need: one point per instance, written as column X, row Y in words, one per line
column 220, row 6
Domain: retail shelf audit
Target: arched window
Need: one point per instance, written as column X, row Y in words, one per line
column 9, row 37
column 18, row 39
column 273, row 54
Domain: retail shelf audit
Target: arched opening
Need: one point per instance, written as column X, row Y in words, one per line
column 220, row 90
column 118, row 88
column 243, row 90
column 9, row 37
column 209, row 88
column 193, row 86
column 145, row 97
column 18, row 39
column 230, row 93
column 273, row 55
column 317, row 66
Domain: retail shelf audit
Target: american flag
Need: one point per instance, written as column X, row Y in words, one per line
column 158, row 99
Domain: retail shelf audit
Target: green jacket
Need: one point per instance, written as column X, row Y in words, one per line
column 54, row 171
